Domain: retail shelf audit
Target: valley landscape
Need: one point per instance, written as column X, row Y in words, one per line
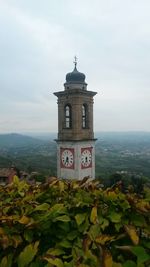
column 124, row 153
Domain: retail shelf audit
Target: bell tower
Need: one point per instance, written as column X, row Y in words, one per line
column 75, row 142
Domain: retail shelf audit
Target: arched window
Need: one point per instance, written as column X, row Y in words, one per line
column 84, row 116
column 68, row 116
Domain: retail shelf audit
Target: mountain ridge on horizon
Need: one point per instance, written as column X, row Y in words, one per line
column 15, row 139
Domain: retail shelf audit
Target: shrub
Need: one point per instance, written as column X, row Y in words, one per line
column 73, row 223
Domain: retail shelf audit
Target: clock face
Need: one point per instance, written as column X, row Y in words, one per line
column 67, row 158
column 86, row 157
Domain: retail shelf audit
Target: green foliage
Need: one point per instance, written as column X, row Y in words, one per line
column 28, row 254
column 73, row 223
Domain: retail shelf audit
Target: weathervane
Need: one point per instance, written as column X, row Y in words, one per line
column 75, row 61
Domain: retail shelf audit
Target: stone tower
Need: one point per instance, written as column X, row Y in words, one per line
column 75, row 143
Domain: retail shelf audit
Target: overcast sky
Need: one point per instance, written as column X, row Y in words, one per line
column 38, row 41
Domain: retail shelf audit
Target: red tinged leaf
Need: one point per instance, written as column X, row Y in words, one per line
column 86, row 243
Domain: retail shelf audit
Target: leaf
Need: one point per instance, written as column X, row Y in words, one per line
column 22, row 194
column 104, row 223
column 36, row 263
column 83, row 265
column 90, row 256
column 117, row 264
column 55, row 252
column 107, row 258
column 65, row 244
column 83, row 228
column 94, row 231
column 15, row 179
column 54, row 261
column 125, row 205
column 93, row 216
column 6, row 261
column 118, row 226
column 27, row 255
column 24, row 220
column 42, row 207
column 72, row 235
column 129, row 263
column 141, row 254
column 64, row 226
column 80, row 218
column 137, row 219
column 61, row 186
column 28, row 235
column 111, row 195
column 143, row 206
column 57, row 209
column 124, row 248
column 102, row 239
column 147, row 244
column 69, row 264
column 63, row 218
column 115, row 217
column 131, row 231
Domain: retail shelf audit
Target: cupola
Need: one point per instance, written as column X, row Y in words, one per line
column 75, row 79
column 75, row 76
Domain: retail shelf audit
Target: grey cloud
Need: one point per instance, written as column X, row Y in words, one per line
column 37, row 45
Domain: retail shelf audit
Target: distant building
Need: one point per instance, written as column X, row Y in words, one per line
column 4, row 175
column 7, row 174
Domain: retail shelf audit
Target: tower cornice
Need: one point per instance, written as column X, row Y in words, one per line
column 76, row 141
column 75, row 92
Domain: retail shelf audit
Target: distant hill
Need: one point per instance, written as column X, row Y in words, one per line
column 135, row 139
column 46, row 136
column 28, row 153
column 18, row 140
column 124, row 136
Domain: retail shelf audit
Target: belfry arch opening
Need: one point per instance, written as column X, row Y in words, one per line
column 84, row 116
column 68, row 121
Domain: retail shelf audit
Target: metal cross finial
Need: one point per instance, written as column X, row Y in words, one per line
column 75, row 61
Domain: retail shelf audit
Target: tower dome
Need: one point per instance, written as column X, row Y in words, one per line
column 75, row 76
column 75, row 79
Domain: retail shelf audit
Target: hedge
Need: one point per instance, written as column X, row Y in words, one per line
column 73, row 223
